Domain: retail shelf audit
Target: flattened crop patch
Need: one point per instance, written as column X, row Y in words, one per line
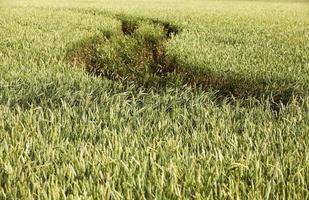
column 137, row 54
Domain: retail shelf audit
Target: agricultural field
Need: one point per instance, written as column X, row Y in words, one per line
column 154, row 99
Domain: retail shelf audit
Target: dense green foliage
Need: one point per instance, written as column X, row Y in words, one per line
column 65, row 133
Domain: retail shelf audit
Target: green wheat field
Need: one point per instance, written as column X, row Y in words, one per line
column 154, row 99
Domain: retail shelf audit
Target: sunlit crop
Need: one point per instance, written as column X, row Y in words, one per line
column 154, row 99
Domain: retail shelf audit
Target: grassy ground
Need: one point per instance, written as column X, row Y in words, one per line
column 65, row 133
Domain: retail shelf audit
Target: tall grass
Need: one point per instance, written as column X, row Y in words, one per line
column 66, row 134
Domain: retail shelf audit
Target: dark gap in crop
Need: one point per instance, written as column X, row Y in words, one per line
column 137, row 55
column 128, row 27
